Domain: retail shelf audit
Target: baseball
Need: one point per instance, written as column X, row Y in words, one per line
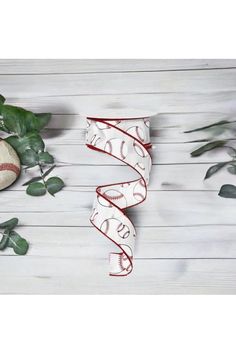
column 123, row 231
column 126, row 258
column 139, row 192
column 139, row 167
column 102, row 201
column 95, row 140
column 117, row 148
column 136, row 132
column 102, row 125
column 116, row 196
column 108, row 226
column 88, row 123
column 139, row 149
column 147, row 122
column 94, row 215
column 9, row 165
column 114, row 227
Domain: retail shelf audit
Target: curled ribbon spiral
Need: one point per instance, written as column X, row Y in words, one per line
column 127, row 140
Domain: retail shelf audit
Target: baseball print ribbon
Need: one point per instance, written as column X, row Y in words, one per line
column 128, row 140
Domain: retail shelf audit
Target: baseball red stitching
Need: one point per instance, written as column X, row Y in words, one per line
column 9, row 167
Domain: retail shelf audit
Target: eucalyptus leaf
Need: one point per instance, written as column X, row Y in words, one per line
column 222, row 122
column 231, row 151
column 35, row 141
column 2, row 99
column 48, row 171
column 232, row 169
column 36, row 189
column 54, row 185
column 9, row 224
column 30, row 140
column 208, row 147
column 43, row 119
column 46, row 158
column 19, row 120
column 215, row 168
column 3, row 242
column 227, row 191
column 19, row 244
column 29, row 158
column 2, row 126
column 14, row 119
column 34, row 179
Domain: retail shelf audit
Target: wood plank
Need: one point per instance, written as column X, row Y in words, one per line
column 20, row 86
column 163, row 177
column 183, row 121
column 165, row 128
column 187, row 102
column 62, row 66
column 214, row 241
column 161, row 154
column 29, row 275
column 161, row 208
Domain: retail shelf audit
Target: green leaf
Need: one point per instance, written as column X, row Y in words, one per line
column 228, row 191
column 54, row 185
column 19, row 244
column 19, row 120
column 232, row 169
column 36, row 189
column 29, row 158
column 4, row 240
column 46, row 158
column 231, row 151
column 31, row 140
column 215, row 168
column 43, row 119
column 222, row 122
column 14, row 119
column 34, row 179
column 9, row 224
column 35, row 141
column 208, row 147
column 13, row 140
column 2, row 127
column 2, row 99
column 49, row 171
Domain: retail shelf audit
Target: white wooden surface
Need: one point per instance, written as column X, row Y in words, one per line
column 186, row 233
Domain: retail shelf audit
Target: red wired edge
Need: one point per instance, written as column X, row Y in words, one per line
column 128, row 141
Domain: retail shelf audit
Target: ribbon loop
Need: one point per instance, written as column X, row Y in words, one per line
column 128, row 141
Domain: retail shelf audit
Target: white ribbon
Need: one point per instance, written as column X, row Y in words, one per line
column 127, row 140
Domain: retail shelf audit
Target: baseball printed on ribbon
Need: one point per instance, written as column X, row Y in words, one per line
column 127, row 140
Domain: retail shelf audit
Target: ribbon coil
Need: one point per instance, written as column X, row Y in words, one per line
column 127, row 140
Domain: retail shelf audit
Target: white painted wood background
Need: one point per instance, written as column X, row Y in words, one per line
column 186, row 233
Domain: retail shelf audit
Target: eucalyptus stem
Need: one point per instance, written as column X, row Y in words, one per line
column 42, row 173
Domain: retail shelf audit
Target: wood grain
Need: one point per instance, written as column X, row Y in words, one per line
column 165, row 128
column 181, row 102
column 69, row 66
column 162, row 208
column 39, row 275
column 214, row 80
column 161, row 154
column 202, row 241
